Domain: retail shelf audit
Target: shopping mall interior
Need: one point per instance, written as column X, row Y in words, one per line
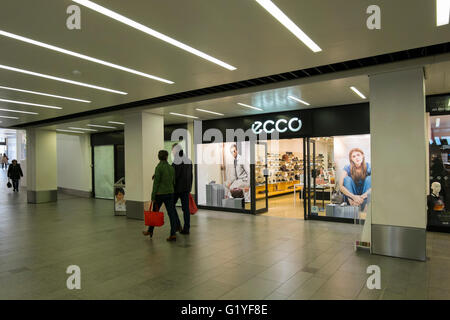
column 319, row 146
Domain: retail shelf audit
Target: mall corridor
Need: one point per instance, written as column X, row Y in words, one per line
column 227, row 256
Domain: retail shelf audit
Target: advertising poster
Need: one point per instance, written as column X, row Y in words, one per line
column 353, row 169
column 120, row 205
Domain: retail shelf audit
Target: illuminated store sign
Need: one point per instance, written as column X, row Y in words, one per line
column 281, row 125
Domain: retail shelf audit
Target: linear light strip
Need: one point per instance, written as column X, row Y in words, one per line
column 99, row 126
column 286, row 22
column 44, row 94
column 212, row 112
column 83, row 129
column 81, row 56
column 358, row 92
column 154, row 33
column 299, row 100
column 116, row 122
column 6, row 117
column 248, row 106
column 183, row 115
column 29, row 104
column 72, row 131
column 442, row 12
column 60, row 79
column 18, row 111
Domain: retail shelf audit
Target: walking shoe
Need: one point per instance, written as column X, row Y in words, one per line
column 147, row 233
column 184, row 232
column 172, row 238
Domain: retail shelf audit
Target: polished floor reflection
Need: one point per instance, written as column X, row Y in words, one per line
column 227, row 256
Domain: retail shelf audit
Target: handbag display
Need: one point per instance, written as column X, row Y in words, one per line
column 192, row 206
column 153, row 217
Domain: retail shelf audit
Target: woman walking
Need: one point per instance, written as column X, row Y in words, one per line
column 5, row 161
column 163, row 189
column 15, row 173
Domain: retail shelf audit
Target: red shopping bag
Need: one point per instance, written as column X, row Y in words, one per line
column 192, row 206
column 153, row 217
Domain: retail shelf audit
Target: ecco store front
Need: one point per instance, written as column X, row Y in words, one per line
column 307, row 164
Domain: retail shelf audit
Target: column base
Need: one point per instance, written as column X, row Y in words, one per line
column 400, row 242
column 42, row 196
column 135, row 209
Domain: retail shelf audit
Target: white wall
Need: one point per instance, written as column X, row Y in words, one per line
column 74, row 162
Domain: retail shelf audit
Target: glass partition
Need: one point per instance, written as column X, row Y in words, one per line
column 104, row 172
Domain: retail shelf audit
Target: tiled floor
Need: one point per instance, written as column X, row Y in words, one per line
column 227, row 256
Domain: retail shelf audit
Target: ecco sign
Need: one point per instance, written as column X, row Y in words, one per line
column 281, row 125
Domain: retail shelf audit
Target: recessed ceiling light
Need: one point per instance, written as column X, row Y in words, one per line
column 29, row 104
column 183, row 115
column 154, row 33
column 6, row 117
column 212, row 112
column 291, row 26
column 442, row 12
column 60, row 79
column 44, row 94
column 18, row 111
column 72, row 131
column 438, row 122
column 82, row 129
column 358, row 92
column 116, row 122
column 99, row 126
column 298, row 100
column 81, row 56
column 248, row 106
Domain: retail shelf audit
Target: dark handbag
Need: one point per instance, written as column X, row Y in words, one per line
column 237, row 193
column 337, row 197
column 9, row 185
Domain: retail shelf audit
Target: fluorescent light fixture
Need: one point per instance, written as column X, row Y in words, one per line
column 287, row 23
column 36, row 74
column 442, row 12
column 82, row 129
column 183, row 115
column 248, row 106
column 18, row 111
column 44, row 94
column 212, row 112
column 72, row 131
column 116, row 122
column 29, row 104
column 438, row 122
column 99, row 126
column 358, row 92
column 81, row 56
column 438, row 141
column 154, row 33
column 298, row 100
column 6, row 117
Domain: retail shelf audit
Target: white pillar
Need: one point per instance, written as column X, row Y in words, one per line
column 399, row 163
column 41, row 166
column 144, row 137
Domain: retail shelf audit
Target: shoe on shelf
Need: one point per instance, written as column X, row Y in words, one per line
column 172, row 238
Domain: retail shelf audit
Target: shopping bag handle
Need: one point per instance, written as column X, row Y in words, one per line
column 153, row 206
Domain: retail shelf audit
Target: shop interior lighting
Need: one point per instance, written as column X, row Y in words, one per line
column 46, row 76
column 72, row 131
column 136, row 25
column 183, row 115
column 248, row 106
column 287, row 23
column 298, row 100
column 358, row 92
column 116, row 122
column 44, row 94
column 99, row 126
column 81, row 56
column 438, row 122
column 82, row 129
column 29, row 104
column 6, row 117
column 438, row 141
column 18, row 111
column 442, row 12
column 212, row 112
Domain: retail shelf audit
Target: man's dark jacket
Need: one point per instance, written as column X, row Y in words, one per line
column 183, row 175
column 15, row 172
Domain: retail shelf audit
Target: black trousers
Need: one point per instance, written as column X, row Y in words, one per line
column 167, row 200
column 184, row 197
column 15, row 183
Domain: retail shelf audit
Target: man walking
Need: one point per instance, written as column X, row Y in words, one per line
column 15, row 173
column 183, row 183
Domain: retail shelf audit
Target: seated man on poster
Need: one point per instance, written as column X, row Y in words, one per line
column 237, row 176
